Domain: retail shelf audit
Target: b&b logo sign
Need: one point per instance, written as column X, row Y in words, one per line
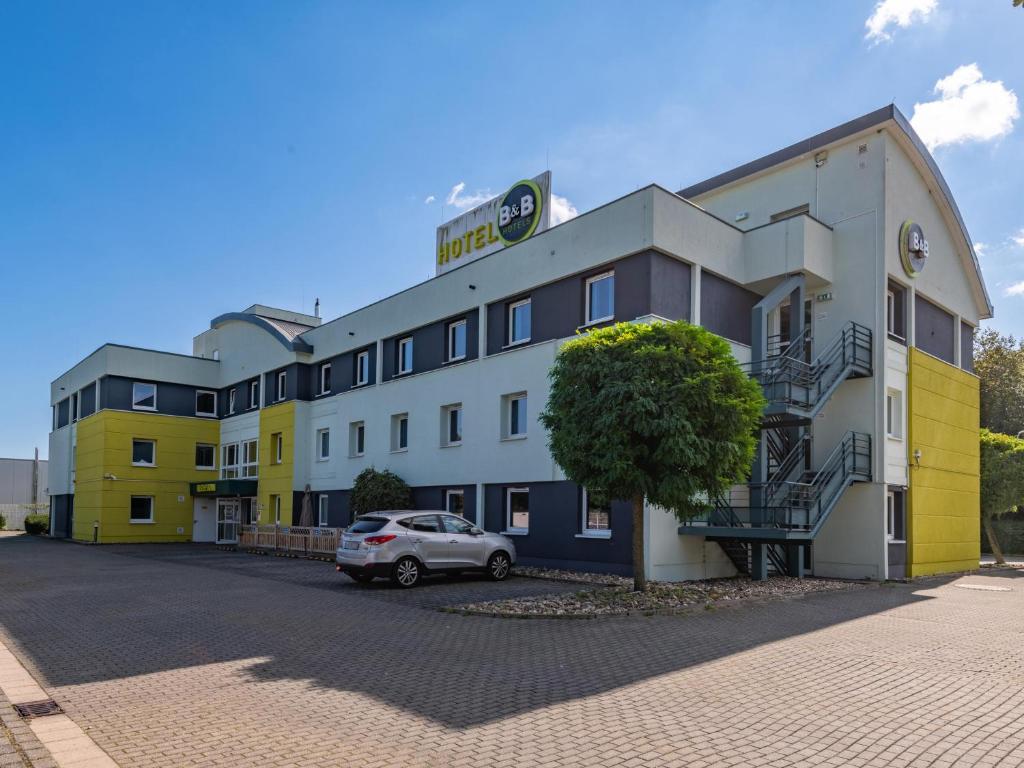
column 520, row 212
column 913, row 248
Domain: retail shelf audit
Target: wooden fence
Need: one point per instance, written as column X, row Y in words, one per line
column 306, row 541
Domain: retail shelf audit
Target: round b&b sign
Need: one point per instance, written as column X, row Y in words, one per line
column 519, row 212
column 913, row 248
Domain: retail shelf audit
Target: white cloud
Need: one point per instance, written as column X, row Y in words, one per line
column 429, row 200
column 902, row 13
column 1019, row 237
column 969, row 108
column 561, row 210
column 1017, row 289
column 462, row 202
column 979, row 248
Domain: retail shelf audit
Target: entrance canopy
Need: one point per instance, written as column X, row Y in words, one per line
column 224, row 488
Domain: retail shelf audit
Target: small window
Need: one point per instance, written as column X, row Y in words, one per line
column 362, row 368
column 894, row 516
column 514, row 416
column 894, row 414
column 231, row 400
column 206, row 456
column 143, row 396
column 405, row 355
column 597, row 517
column 229, row 461
column 451, row 424
column 517, row 505
column 206, row 403
column 519, row 322
column 282, row 385
column 457, row 341
column 600, row 298
column 322, row 504
column 254, row 394
column 323, row 444
column 890, row 312
column 895, row 312
column 277, row 440
column 400, row 432
column 250, row 458
column 356, row 439
column 456, row 524
column 143, row 453
column 141, row 509
column 75, row 409
column 325, row 378
column 275, row 505
column 455, row 502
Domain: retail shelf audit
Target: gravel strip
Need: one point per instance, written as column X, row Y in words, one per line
column 660, row 598
column 576, row 577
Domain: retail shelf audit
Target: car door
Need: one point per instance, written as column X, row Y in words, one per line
column 464, row 550
column 429, row 540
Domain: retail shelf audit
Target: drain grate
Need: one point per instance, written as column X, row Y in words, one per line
column 31, row 709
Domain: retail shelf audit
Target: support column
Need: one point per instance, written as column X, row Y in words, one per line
column 795, row 560
column 758, row 561
column 480, row 519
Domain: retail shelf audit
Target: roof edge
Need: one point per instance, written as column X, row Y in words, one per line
column 293, row 345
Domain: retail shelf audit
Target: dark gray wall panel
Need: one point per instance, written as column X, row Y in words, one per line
column 432, row 497
column 339, row 512
column 173, row 399
column 897, row 560
column 966, row 347
column 670, row 287
column 61, row 516
column 63, row 412
column 429, row 344
column 87, row 400
column 934, row 329
column 725, row 307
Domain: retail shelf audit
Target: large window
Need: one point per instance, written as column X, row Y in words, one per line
column 455, row 502
column 399, row 432
column 517, row 506
column 143, row 453
column 457, row 341
column 405, row 355
column 322, row 504
column 143, row 396
column 282, row 385
column 356, row 439
column 323, row 444
column 451, row 424
column 362, row 368
column 141, row 510
column 206, row 456
column 206, row 403
column 601, row 297
column 229, row 461
column 597, row 517
column 250, row 458
column 325, row 378
column 519, row 322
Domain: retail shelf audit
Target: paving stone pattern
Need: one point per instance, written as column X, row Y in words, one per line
column 176, row 656
column 19, row 747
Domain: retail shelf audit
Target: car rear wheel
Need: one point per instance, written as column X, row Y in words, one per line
column 499, row 566
column 406, row 572
column 361, row 576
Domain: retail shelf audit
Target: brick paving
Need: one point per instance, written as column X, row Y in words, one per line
column 174, row 656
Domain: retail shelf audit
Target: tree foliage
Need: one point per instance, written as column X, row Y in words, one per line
column 375, row 490
column 660, row 411
column 1002, row 480
column 999, row 363
column 37, row 525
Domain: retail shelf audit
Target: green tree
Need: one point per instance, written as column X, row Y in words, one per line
column 1002, row 481
column 999, row 363
column 660, row 411
column 374, row 491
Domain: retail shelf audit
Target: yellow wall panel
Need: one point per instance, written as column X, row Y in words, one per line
column 945, row 492
column 276, row 478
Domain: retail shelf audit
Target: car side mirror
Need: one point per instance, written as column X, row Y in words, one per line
column 475, row 532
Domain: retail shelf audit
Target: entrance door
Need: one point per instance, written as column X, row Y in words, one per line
column 227, row 521
column 204, row 520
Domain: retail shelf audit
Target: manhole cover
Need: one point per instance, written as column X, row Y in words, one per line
column 982, row 587
column 38, row 709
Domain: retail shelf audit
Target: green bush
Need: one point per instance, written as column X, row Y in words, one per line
column 37, row 525
column 374, row 491
column 3, row 522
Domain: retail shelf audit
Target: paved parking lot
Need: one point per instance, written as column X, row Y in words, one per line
column 173, row 656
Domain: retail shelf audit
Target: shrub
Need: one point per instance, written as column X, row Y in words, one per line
column 3, row 522
column 375, row 490
column 37, row 525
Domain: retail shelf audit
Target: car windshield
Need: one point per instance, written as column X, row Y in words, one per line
column 368, row 525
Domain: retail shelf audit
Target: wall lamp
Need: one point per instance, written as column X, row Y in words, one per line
column 917, row 457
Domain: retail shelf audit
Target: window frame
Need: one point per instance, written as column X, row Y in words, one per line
column 514, row 305
column 592, row 533
column 325, row 387
column 213, row 448
column 135, row 406
column 206, row 392
column 587, row 320
column 244, row 465
column 320, row 435
column 228, row 466
column 152, row 510
column 509, row 528
column 278, row 444
column 396, row 432
column 254, row 394
column 281, row 382
column 452, row 327
column 400, row 368
column 323, row 505
column 276, row 508
column 143, row 463
column 362, row 377
column 508, row 433
column 893, row 400
column 446, row 425
column 448, row 494
column 356, row 451
column 232, row 396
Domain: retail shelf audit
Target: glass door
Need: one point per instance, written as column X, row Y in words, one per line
column 227, row 521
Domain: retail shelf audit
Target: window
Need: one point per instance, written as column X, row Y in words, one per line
column 275, row 506
column 325, row 378
column 143, row 396
column 75, row 409
column 890, row 312
column 400, row 432
column 323, row 444
column 894, row 522
column 206, row 456
column 254, row 394
column 457, row 341
column 405, row 355
column 277, row 441
column 456, row 525
column 362, row 368
column 426, row 524
column 141, row 509
column 519, row 322
column 356, row 439
column 229, row 461
column 322, row 504
column 250, row 458
column 517, row 504
column 451, row 424
column 282, row 385
column 513, row 417
column 206, row 403
column 601, row 297
column 143, row 453
column 231, row 400
column 455, row 502
column 597, row 517
column 894, row 414
column 895, row 312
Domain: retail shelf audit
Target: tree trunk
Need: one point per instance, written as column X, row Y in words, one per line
column 639, row 577
column 993, row 541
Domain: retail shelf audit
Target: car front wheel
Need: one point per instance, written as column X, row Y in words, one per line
column 406, row 572
column 499, row 566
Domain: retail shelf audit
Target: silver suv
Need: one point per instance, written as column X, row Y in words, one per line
column 404, row 545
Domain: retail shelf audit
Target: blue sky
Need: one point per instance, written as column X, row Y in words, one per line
column 163, row 163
